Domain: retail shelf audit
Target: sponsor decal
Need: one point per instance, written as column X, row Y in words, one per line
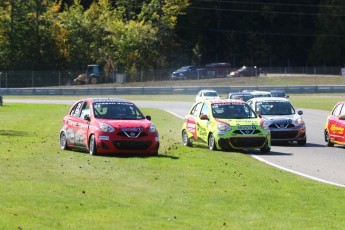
column 131, row 129
column 246, row 127
column 104, row 138
column 337, row 130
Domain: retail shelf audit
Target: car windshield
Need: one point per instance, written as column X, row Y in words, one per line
column 278, row 94
column 243, row 97
column 274, row 108
column 117, row 111
column 232, row 111
column 183, row 68
column 211, row 94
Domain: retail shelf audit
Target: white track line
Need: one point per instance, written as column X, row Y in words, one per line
column 295, row 172
column 280, row 167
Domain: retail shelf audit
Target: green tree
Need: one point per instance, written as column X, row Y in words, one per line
column 329, row 45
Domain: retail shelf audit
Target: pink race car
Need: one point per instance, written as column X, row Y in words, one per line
column 108, row 126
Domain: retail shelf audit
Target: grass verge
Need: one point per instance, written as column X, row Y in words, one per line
column 43, row 187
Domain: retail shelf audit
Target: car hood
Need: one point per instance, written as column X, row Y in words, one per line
column 144, row 123
column 241, row 122
column 281, row 118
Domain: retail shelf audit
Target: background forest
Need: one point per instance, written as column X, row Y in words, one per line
column 144, row 34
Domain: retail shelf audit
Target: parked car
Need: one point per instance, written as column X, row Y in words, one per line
column 247, row 71
column 215, row 70
column 286, row 124
column 207, row 94
column 188, row 73
column 278, row 93
column 334, row 131
column 244, row 96
column 108, row 125
column 1, row 100
column 225, row 124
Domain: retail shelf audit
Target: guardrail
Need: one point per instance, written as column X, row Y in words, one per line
column 303, row 89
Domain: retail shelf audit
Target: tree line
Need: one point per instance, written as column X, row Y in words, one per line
column 144, row 34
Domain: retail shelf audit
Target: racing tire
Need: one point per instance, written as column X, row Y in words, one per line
column 92, row 145
column 302, row 142
column 211, row 142
column 327, row 139
column 63, row 141
column 265, row 149
column 185, row 139
column 93, row 80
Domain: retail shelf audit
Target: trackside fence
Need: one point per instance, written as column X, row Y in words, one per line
column 305, row 89
column 23, row 79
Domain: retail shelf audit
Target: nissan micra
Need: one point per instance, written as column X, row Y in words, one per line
column 108, row 125
column 225, row 124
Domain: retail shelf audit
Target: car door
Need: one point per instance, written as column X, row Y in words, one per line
column 192, row 120
column 340, row 125
column 82, row 127
column 202, row 123
column 333, row 122
column 72, row 123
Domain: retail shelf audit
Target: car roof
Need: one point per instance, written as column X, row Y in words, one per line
column 269, row 99
column 207, row 90
column 227, row 101
column 240, row 93
column 103, row 100
column 277, row 90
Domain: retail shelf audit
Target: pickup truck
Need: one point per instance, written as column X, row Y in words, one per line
column 188, row 73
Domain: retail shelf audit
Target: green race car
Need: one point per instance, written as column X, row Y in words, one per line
column 226, row 124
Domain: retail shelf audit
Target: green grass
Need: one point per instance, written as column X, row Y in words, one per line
column 43, row 187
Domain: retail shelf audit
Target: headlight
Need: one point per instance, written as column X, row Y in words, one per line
column 152, row 128
column 223, row 127
column 299, row 121
column 106, row 128
column 264, row 125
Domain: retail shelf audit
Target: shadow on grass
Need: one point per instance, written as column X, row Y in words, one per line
column 117, row 155
column 12, row 133
column 140, row 156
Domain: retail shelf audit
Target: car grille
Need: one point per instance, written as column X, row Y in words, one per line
column 132, row 134
column 284, row 134
column 284, row 125
column 247, row 142
column 132, row 145
column 247, row 132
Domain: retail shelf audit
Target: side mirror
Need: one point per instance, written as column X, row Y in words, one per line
column 148, row 117
column 203, row 117
column 342, row 117
column 287, row 96
column 300, row 112
column 87, row 117
column 259, row 115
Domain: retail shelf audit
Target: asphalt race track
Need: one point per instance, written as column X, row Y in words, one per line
column 314, row 160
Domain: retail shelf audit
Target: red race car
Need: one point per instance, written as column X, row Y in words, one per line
column 108, row 126
column 335, row 126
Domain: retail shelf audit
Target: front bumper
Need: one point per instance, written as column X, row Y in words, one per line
column 288, row 134
column 148, row 144
column 253, row 142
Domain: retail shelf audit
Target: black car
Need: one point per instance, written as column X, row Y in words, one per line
column 188, row 73
column 279, row 93
column 0, row 100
